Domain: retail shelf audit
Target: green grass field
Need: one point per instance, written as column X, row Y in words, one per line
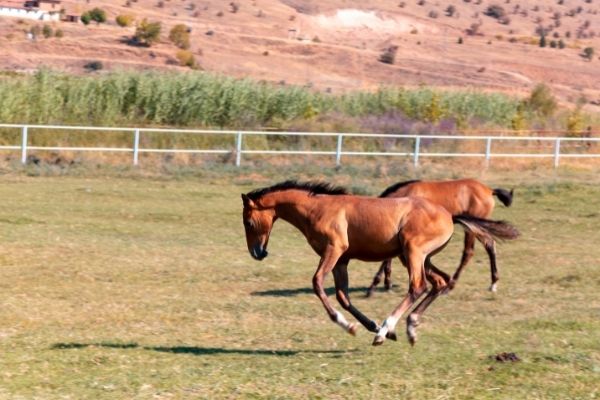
column 141, row 287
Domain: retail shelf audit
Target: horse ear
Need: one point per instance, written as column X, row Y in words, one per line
column 247, row 201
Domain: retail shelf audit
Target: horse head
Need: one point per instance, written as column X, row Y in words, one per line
column 258, row 223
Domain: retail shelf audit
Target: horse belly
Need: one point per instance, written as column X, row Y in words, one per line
column 373, row 248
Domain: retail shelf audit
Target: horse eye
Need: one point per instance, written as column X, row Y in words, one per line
column 248, row 223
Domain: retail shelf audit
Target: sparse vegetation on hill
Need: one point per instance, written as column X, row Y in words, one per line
column 97, row 15
column 147, row 33
column 186, row 58
column 124, row 20
column 180, row 36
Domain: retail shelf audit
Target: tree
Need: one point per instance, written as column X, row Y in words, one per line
column 147, row 33
column 541, row 101
column 450, row 10
column 588, row 53
column 86, row 18
column 98, row 15
column 542, row 40
column 180, row 36
column 495, row 11
column 95, row 14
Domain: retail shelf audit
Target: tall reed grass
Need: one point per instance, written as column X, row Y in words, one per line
column 207, row 100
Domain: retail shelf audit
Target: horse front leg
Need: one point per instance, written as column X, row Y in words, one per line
column 327, row 263
column 340, row 277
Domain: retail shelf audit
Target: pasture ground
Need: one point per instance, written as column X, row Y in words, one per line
column 133, row 286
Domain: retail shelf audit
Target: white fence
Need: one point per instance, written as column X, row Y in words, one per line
column 240, row 149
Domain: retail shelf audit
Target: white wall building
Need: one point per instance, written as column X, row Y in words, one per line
column 41, row 10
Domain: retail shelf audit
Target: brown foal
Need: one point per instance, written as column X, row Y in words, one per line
column 458, row 197
column 340, row 227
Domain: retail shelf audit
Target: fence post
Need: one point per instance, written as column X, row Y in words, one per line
column 417, row 148
column 556, row 152
column 488, row 151
column 24, row 145
column 136, row 145
column 338, row 152
column 238, row 152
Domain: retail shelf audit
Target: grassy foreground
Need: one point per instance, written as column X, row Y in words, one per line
column 143, row 288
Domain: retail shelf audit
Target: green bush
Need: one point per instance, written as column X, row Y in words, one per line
column 147, row 33
column 124, row 20
column 541, row 101
column 47, row 31
column 96, row 14
column 180, row 36
column 186, row 58
column 86, row 18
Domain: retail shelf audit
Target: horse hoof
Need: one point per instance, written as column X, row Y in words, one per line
column 352, row 329
column 412, row 340
column 494, row 288
column 378, row 341
column 369, row 293
column 411, row 328
column 392, row 336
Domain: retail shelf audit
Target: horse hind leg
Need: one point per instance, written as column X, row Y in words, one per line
column 377, row 278
column 417, row 287
column 440, row 284
column 468, row 251
column 491, row 250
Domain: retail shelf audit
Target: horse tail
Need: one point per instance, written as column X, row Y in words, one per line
column 504, row 196
column 486, row 230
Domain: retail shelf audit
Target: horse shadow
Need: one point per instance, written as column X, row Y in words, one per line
column 302, row 291
column 196, row 350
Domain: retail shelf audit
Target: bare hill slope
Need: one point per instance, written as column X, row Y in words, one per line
column 336, row 46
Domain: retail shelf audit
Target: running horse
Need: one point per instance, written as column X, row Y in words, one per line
column 340, row 227
column 458, row 197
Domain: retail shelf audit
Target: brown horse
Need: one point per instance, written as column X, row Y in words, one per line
column 458, row 197
column 340, row 227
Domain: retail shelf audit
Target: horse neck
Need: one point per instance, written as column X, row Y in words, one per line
column 291, row 206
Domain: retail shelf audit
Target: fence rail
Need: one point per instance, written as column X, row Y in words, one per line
column 239, row 149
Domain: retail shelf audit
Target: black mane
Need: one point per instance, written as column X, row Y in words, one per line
column 311, row 187
column 396, row 186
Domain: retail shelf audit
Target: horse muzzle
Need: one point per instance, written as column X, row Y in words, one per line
column 258, row 252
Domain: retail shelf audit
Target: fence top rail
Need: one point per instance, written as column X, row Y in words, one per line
column 325, row 134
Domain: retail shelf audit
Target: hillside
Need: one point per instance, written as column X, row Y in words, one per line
column 335, row 47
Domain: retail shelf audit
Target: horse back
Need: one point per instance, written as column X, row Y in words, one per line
column 460, row 196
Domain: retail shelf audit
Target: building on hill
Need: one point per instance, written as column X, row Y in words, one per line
column 43, row 10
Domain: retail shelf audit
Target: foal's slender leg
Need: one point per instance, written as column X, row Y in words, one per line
column 439, row 281
column 384, row 268
column 466, row 257
column 417, row 287
column 340, row 276
column 327, row 263
column 387, row 282
column 491, row 250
